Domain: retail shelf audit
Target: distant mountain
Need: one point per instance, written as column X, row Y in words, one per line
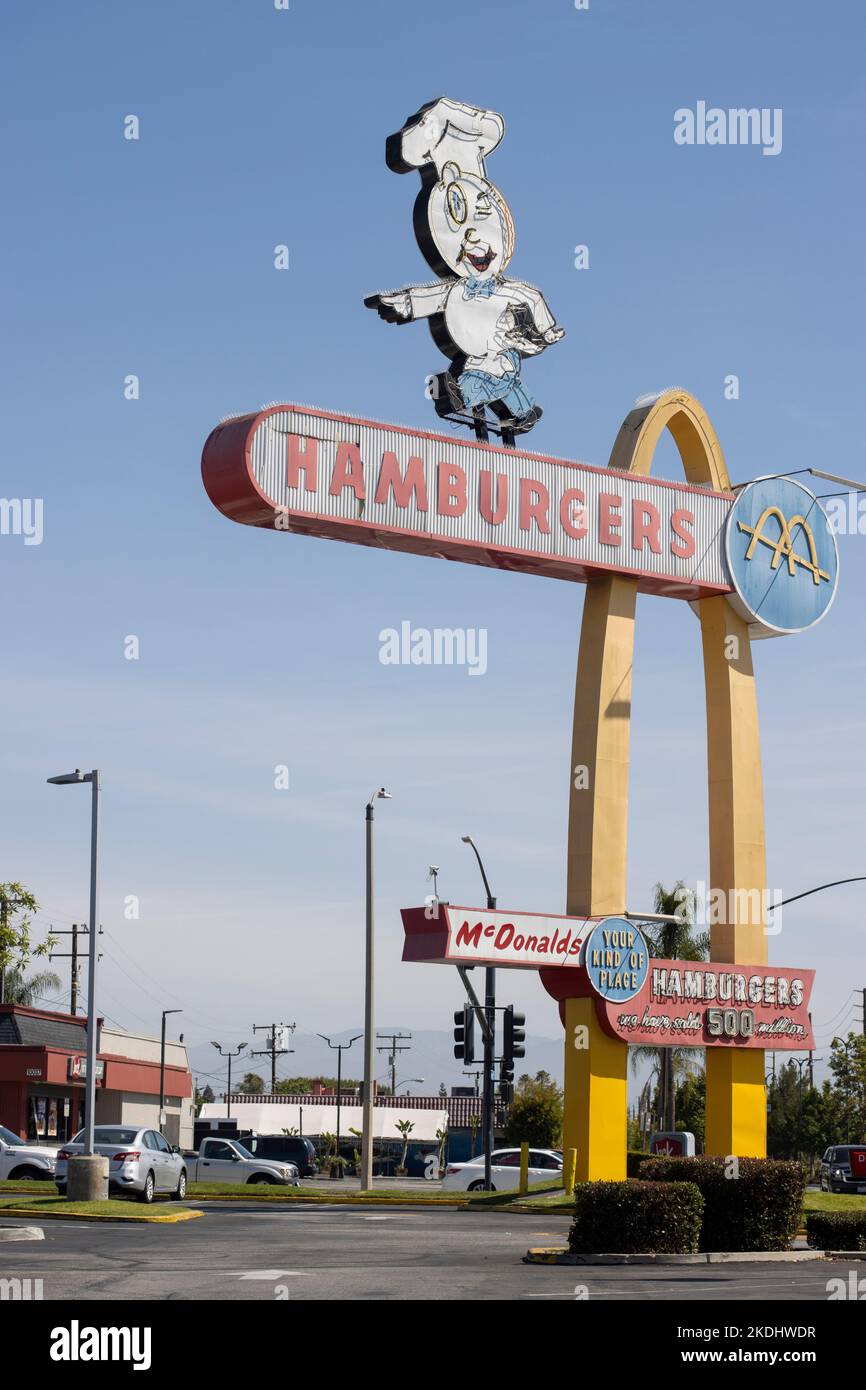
column 429, row 1054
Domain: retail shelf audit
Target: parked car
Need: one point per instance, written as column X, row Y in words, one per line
column 843, row 1168
column 139, row 1160
column 284, row 1148
column 227, row 1160
column 21, row 1161
column 504, row 1170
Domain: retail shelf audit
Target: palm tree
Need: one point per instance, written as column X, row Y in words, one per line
column 29, row 992
column 405, row 1127
column 675, row 940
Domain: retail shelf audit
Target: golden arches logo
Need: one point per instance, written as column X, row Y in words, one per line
column 783, row 546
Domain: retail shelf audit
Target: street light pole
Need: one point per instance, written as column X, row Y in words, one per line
column 489, row 1034
column 369, row 1034
column 340, row 1048
column 165, row 1013
column 90, row 1081
column 228, row 1053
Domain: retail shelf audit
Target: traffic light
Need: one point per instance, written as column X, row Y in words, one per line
column 506, row 1081
column 514, row 1035
column 464, row 1034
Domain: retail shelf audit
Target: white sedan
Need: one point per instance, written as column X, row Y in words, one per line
column 545, row 1165
column 139, row 1160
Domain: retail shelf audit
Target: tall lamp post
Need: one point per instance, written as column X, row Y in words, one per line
column 339, row 1048
column 369, row 1034
column 165, row 1014
column 90, row 1081
column 228, row 1053
column 490, row 1016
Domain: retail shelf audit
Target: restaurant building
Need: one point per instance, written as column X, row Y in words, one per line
column 43, row 1074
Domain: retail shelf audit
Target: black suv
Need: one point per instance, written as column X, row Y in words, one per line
column 284, row 1148
column 842, row 1173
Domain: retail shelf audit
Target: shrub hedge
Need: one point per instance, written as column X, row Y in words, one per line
column 836, row 1230
column 633, row 1160
column 634, row 1217
column 759, row 1209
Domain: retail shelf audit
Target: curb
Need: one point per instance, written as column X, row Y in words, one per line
column 169, row 1219
column 339, row 1199
column 559, row 1255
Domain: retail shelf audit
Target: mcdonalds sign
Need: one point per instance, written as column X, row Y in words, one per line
column 445, row 934
column 705, row 1004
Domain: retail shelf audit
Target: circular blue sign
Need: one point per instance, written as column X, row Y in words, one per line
column 616, row 959
column 781, row 554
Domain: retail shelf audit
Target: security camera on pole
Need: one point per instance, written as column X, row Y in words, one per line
column 369, row 1031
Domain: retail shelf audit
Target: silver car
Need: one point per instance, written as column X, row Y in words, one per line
column 139, row 1160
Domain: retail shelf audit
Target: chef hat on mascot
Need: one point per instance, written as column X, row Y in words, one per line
column 445, row 132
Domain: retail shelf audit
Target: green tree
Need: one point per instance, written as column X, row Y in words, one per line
column 17, row 904
column 691, row 1106
column 535, row 1114
column 848, row 1065
column 675, row 940
column 204, row 1097
column 30, row 992
column 405, row 1127
column 252, row 1085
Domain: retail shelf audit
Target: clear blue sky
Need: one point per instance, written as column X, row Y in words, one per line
column 155, row 257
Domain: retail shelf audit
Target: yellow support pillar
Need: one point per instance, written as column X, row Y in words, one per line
column 595, row 1114
column 736, row 1113
column 596, row 1071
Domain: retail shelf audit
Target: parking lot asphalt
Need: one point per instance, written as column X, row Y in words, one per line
column 256, row 1253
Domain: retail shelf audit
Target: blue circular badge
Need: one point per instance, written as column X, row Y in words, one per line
column 782, row 555
column 616, row 959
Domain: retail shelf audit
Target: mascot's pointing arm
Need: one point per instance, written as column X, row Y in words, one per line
column 416, row 302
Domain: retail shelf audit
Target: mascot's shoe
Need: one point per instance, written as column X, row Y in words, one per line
column 524, row 423
column 448, row 400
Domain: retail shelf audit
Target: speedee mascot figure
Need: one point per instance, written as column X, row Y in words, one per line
column 484, row 321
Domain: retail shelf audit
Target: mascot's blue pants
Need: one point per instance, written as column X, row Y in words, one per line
column 482, row 388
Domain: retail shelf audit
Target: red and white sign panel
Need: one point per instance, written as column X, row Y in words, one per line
column 293, row 468
column 445, row 934
column 706, row 1004
column 858, row 1164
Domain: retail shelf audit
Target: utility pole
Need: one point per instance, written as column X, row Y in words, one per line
column 277, row 1047
column 393, row 1049
column 165, row 1014
column 73, row 954
column 3, row 921
column 73, row 981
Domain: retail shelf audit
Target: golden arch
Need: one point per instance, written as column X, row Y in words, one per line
column 595, row 1064
column 784, row 545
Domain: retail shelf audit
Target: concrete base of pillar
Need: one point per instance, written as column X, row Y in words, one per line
column 87, row 1179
